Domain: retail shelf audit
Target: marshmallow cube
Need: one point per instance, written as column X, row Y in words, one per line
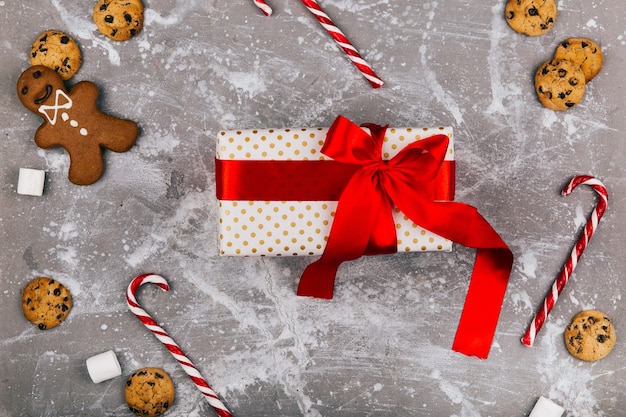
column 31, row 182
column 103, row 366
column 546, row 408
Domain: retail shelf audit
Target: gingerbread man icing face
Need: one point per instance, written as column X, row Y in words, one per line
column 73, row 121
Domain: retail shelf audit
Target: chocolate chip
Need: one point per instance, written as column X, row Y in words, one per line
column 41, row 326
column 151, row 383
column 36, row 75
column 65, row 40
column 129, row 382
column 57, row 291
column 584, row 44
column 601, row 338
column 128, row 18
column 562, row 72
column 28, row 301
column 158, row 375
column 533, row 12
column 104, row 6
column 511, row 14
column 25, row 90
column 108, row 18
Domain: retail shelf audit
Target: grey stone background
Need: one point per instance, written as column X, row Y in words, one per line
column 382, row 345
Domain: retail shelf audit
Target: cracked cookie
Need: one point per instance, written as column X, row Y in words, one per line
column 58, row 51
column 530, row 17
column 119, row 20
column 149, row 392
column 583, row 52
column 46, row 302
column 560, row 84
column 590, row 336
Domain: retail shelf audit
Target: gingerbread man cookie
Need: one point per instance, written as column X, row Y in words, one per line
column 73, row 121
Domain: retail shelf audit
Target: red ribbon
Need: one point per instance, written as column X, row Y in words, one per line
column 366, row 188
column 364, row 224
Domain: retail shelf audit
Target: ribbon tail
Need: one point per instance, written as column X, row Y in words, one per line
column 464, row 225
column 361, row 210
column 318, row 279
column 483, row 303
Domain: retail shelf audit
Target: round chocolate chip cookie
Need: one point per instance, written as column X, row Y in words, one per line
column 560, row 84
column 58, row 51
column 590, row 336
column 530, row 17
column 581, row 51
column 119, row 20
column 149, row 392
column 46, row 302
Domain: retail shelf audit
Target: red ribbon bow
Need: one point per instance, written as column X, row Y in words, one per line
column 363, row 224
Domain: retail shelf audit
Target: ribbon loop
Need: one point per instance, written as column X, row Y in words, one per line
column 364, row 225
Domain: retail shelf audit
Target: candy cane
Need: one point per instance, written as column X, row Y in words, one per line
column 344, row 43
column 169, row 343
column 337, row 35
column 267, row 10
column 568, row 268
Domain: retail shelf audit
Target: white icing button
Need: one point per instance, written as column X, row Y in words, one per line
column 103, row 366
column 83, row 131
column 64, row 116
column 73, row 123
column 31, row 181
column 546, row 408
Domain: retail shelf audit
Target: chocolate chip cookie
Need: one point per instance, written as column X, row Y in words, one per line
column 530, row 17
column 590, row 336
column 56, row 50
column 46, row 302
column 149, row 392
column 119, row 20
column 581, row 51
column 560, row 84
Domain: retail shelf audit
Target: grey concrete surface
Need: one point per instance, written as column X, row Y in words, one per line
column 382, row 346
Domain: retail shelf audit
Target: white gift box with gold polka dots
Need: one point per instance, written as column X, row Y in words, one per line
column 301, row 228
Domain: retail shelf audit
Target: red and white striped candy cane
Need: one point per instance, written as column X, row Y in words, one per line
column 338, row 36
column 344, row 43
column 169, row 343
column 262, row 5
column 568, row 268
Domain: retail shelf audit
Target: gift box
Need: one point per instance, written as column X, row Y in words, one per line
column 349, row 191
column 279, row 225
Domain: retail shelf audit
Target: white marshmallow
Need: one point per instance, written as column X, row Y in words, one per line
column 103, row 366
column 546, row 408
column 31, row 181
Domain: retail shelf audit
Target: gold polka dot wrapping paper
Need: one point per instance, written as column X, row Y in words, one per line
column 301, row 228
